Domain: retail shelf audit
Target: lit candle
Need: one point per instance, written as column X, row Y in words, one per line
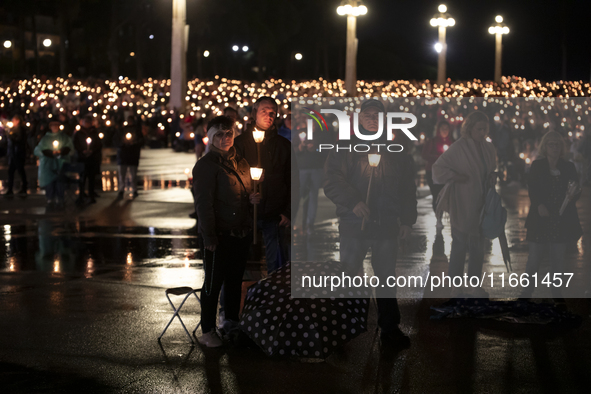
column 128, row 136
column 255, row 174
column 258, row 135
column 445, row 147
column 374, row 159
column 55, row 145
column 302, row 136
column 88, row 142
column 205, row 140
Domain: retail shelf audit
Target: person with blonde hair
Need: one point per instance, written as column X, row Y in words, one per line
column 467, row 170
column 547, row 229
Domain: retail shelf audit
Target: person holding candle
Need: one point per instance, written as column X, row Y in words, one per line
column 54, row 153
column 274, row 153
column 89, row 148
column 432, row 149
column 17, row 154
column 129, row 142
column 548, row 230
column 374, row 215
column 223, row 200
column 467, row 170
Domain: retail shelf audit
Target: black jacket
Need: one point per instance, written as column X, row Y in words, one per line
column 128, row 150
column 96, row 145
column 276, row 164
column 392, row 197
column 17, row 145
column 221, row 199
column 568, row 225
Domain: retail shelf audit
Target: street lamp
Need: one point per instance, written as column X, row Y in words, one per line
column 245, row 48
column 498, row 30
column 178, row 55
column 47, row 43
column 206, row 54
column 7, row 44
column 442, row 21
column 352, row 9
column 235, row 48
column 298, row 56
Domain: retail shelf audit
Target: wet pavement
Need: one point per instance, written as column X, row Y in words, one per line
column 82, row 303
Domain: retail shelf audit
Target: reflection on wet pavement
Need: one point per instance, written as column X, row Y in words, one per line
column 427, row 251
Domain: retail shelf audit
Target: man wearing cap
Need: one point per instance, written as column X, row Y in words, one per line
column 388, row 214
column 54, row 153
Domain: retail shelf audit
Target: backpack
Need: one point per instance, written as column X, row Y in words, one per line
column 493, row 216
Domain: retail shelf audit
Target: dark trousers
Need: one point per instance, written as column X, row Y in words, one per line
column 13, row 166
column 91, row 170
column 225, row 266
column 383, row 260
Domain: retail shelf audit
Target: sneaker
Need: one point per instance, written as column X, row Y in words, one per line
column 135, row 194
column 395, row 339
column 92, row 200
column 120, row 196
column 210, row 339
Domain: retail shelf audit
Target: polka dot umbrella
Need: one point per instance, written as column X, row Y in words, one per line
column 305, row 327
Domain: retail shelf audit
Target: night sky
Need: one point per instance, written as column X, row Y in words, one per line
column 532, row 49
column 395, row 38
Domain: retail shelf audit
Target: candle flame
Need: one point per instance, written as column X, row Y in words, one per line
column 256, row 173
column 374, row 159
column 258, row 135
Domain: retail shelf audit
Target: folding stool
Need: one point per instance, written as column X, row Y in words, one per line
column 178, row 291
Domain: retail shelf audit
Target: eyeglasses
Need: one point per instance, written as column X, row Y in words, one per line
column 227, row 134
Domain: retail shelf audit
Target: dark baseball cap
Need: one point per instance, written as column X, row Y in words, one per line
column 373, row 103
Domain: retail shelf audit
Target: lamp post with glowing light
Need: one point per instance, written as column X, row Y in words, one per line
column 498, row 30
column 255, row 174
column 178, row 58
column 374, row 161
column 442, row 21
column 352, row 9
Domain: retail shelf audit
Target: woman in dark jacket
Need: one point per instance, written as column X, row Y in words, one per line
column 223, row 198
column 432, row 149
column 547, row 230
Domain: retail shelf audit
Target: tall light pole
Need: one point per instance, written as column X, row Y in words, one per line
column 442, row 21
column 178, row 55
column 352, row 9
column 498, row 30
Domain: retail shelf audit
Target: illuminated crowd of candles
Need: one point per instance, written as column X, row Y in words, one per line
column 561, row 105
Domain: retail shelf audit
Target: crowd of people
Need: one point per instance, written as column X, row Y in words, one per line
column 66, row 123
